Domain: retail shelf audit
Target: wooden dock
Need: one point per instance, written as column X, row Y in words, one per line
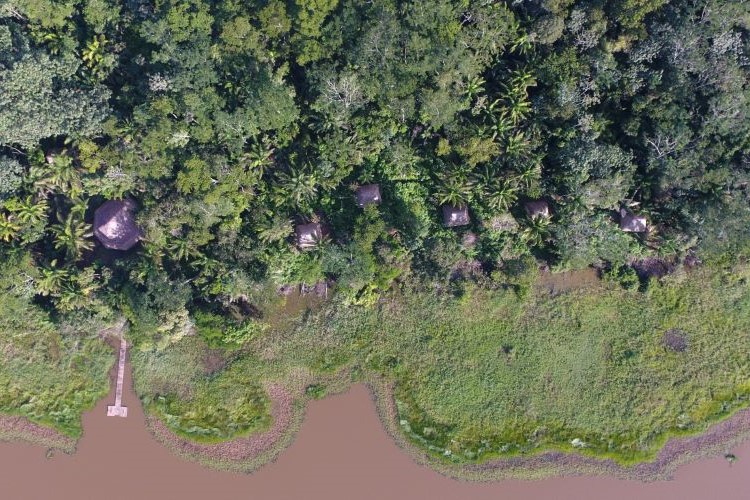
column 117, row 410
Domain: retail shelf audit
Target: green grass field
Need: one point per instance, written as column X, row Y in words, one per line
column 481, row 375
column 491, row 374
column 49, row 378
column 50, row 372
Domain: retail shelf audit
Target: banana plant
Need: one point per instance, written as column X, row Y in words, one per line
column 95, row 57
column 27, row 210
column 51, row 279
column 73, row 236
column 537, row 231
column 9, row 228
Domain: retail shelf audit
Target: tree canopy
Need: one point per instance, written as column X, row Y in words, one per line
column 229, row 123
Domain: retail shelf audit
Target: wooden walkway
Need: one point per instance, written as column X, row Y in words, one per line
column 117, row 410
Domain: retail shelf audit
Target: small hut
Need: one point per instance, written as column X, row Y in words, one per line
column 308, row 235
column 369, row 194
column 538, row 208
column 53, row 153
column 631, row 223
column 115, row 226
column 455, row 215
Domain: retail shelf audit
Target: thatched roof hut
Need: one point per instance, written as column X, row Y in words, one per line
column 369, row 194
column 115, row 226
column 308, row 235
column 631, row 223
column 455, row 216
column 53, row 153
column 538, row 208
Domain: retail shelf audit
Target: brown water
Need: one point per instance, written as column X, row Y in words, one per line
column 341, row 452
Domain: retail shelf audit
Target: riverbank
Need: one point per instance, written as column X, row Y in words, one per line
column 15, row 429
column 574, row 366
column 340, row 452
column 482, row 379
column 244, row 454
column 717, row 440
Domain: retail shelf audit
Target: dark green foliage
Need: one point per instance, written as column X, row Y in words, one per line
column 11, row 176
column 40, row 96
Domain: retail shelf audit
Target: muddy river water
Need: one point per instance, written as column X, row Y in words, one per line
column 341, row 452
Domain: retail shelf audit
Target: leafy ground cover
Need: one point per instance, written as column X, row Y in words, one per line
column 591, row 371
column 50, row 371
column 492, row 373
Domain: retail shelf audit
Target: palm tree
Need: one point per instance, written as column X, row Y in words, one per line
column 275, row 230
column 500, row 195
column 27, row 210
column 8, row 227
column 51, row 280
column 298, row 185
column 60, row 176
column 259, row 157
column 454, row 188
column 537, row 231
column 73, row 236
column 183, row 249
column 127, row 130
column 93, row 56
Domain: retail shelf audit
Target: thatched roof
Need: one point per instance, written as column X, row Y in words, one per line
column 538, row 208
column 115, row 226
column 53, row 153
column 455, row 216
column 369, row 194
column 631, row 223
column 308, row 235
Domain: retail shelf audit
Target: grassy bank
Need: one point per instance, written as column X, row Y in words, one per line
column 587, row 371
column 51, row 370
column 606, row 372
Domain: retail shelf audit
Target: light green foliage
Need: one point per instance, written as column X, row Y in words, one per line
column 47, row 374
column 310, row 15
column 480, row 376
column 586, row 365
column 371, row 265
column 229, row 404
column 48, row 13
column 217, row 330
column 99, row 14
column 582, row 240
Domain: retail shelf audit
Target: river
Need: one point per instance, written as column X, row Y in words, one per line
column 341, row 452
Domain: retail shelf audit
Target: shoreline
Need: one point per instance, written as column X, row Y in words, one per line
column 15, row 429
column 244, row 454
column 676, row 451
column 288, row 408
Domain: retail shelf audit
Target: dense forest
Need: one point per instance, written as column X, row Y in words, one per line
column 501, row 136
